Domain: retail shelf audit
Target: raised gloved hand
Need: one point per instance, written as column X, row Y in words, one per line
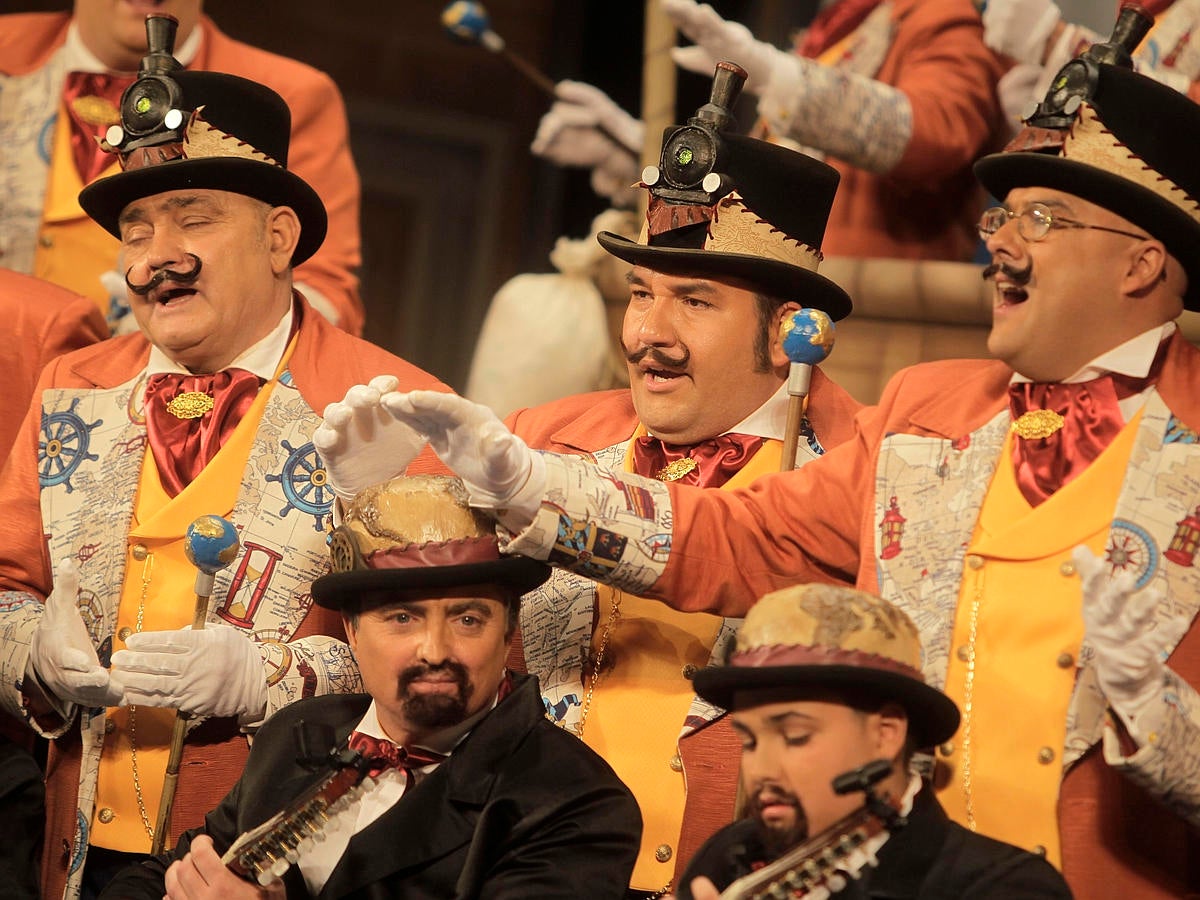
column 62, row 656
column 585, row 129
column 216, row 671
column 1020, row 29
column 1120, row 624
column 360, row 443
column 498, row 469
column 717, row 39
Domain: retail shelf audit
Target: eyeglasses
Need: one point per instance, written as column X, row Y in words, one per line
column 1035, row 221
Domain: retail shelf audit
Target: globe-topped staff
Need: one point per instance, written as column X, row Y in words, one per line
column 807, row 336
column 468, row 21
column 211, row 543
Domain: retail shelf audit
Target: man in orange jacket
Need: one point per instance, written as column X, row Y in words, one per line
column 61, row 76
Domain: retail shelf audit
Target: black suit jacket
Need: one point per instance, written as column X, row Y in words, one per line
column 931, row 858
column 520, row 809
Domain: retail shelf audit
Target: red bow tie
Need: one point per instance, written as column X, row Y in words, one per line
column 383, row 754
column 93, row 102
column 189, row 418
column 1059, row 429
column 707, row 464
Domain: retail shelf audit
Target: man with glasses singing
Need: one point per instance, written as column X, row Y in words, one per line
column 968, row 490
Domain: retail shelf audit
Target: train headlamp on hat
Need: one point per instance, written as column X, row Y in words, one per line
column 151, row 113
column 1078, row 80
column 693, row 154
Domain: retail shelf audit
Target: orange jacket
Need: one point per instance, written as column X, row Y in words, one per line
column 41, row 321
column 927, row 206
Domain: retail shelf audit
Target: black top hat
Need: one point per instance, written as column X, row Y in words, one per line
column 822, row 637
column 202, row 130
column 418, row 533
column 1120, row 140
column 731, row 207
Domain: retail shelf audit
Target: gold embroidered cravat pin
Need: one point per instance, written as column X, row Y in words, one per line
column 1037, row 423
column 673, row 471
column 190, row 405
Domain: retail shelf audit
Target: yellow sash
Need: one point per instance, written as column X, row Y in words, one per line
column 72, row 250
column 168, row 579
column 1021, row 598
column 639, row 705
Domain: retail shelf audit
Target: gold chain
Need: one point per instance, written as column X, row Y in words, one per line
column 147, row 570
column 968, row 700
column 614, row 616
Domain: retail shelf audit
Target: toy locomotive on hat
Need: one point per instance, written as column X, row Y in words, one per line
column 185, row 130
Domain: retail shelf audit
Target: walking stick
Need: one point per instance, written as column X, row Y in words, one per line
column 211, row 543
column 807, row 336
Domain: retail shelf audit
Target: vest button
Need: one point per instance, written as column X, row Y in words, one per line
column 46, row 240
column 1039, row 850
column 1065, row 661
column 975, row 561
column 947, row 749
column 1046, row 756
column 688, row 671
column 139, row 552
column 663, row 852
column 109, row 726
column 1067, row 569
column 963, row 653
column 106, row 815
column 124, row 633
column 676, row 763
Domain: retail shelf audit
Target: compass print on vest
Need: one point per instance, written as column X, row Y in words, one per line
column 63, row 446
column 305, row 483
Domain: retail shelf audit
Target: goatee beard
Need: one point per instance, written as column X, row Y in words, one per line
column 432, row 711
column 777, row 841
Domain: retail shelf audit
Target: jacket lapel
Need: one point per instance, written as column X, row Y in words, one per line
column 439, row 816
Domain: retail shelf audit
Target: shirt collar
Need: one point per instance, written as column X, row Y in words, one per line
column 1134, row 357
column 442, row 742
column 769, row 420
column 80, row 59
column 262, row 359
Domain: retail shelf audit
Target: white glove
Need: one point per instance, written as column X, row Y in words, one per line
column 61, row 654
column 216, row 671
column 1020, row 28
column 585, row 129
column 716, row 40
column 360, row 443
column 498, row 469
column 1118, row 623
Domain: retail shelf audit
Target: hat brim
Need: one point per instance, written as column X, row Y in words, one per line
column 933, row 717
column 518, row 573
column 1179, row 232
column 774, row 278
column 104, row 200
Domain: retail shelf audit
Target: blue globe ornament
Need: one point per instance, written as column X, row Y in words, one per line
column 211, row 543
column 466, row 21
column 807, row 336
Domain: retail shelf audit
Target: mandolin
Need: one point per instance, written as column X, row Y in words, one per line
column 265, row 853
column 818, row 867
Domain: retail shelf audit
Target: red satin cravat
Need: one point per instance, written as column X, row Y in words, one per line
column 712, row 462
column 182, row 446
column 383, row 754
column 1091, row 418
column 93, row 102
column 832, row 24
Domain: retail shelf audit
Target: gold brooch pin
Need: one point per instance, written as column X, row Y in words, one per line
column 1037, row 423
column 190, row 405
column 673, row 471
